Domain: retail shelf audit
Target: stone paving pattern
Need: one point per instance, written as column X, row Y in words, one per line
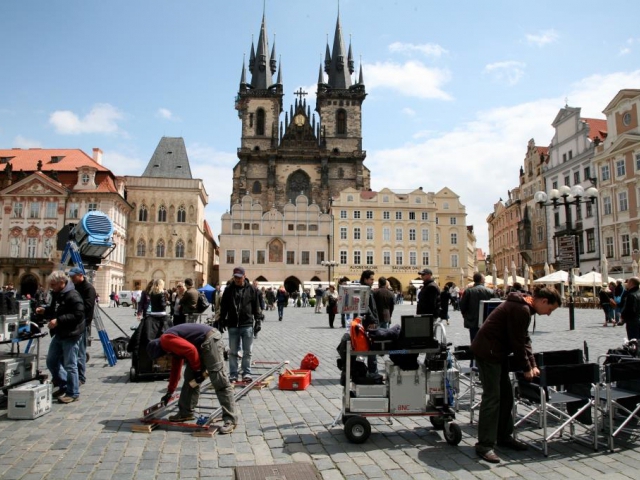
column 92, row 439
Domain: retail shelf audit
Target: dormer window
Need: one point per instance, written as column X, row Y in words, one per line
column 85, row 178
column 55, row 159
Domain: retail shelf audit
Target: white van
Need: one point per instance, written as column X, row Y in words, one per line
column 125, row 297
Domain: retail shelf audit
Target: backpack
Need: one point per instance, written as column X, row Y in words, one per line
column 120, row 347
column 202, row 304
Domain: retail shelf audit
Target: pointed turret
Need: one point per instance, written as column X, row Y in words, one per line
column 279, row 80
column 262, row 68
column 273, row 56
column 320, row 76
column 339, row 76
column 350, row 58
column 243, row 76
column 252, row 56
column 361, row 76
column 327, row 58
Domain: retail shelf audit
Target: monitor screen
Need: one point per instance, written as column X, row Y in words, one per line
column 486, row 307
column 417, row 326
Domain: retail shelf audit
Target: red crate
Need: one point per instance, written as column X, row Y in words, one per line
column 294, row 380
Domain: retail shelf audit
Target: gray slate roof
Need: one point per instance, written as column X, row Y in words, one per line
column 169, row 160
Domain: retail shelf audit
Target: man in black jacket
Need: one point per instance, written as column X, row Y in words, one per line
column 631, row 308
column 470, row 304
column 429, row 298
column 88, row 294
column 239, row 308
column 66, row 325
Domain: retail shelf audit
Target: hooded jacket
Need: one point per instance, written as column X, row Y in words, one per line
column 68, row 308
column 239, row 305
column 505, row 331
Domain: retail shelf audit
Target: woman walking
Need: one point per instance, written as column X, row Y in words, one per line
column 282, row 298
column 332, row 304
column 445, row 298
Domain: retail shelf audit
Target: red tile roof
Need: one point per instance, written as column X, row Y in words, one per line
column 543, row 150
column 368, row 195
column 27, row 159
column 597, row 128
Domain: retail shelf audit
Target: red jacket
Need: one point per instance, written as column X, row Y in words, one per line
column 182, row 350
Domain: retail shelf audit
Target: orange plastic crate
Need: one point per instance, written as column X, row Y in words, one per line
column 294, row 380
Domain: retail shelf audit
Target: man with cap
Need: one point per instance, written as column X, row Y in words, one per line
column 429, row 297
column 88, row 294
column 239, row 308
column 189, row 300
column 203, row 349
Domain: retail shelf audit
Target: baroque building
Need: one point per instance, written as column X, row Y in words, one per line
column 42, row 192
column 296, row 162
column 168, row 236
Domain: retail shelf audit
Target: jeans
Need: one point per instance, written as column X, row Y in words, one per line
column 212, row 359
column 495, row 422
column 280, row 310
column 237, row 335
column 82, row 356
column 62, row 362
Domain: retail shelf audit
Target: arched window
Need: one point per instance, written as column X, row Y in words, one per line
column 260, row 122
column 141, row 251
column 162, row 214
column 182, row 214
column 143, row 215
column 341, row 122
column 180, row 249
column 160, row 249
column 257, row 187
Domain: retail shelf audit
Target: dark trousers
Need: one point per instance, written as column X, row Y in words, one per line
column 495, row 421
column 633, row 329
column 332, row 317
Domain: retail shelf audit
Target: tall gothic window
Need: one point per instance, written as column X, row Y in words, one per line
column 180, row 249
column 298, row 183
column 182, row 214
column 141, row 249
column 260, row 122
column 143, row 215
column 162, row 214
column 257, row 187
column 341, row 122
column 160, row 249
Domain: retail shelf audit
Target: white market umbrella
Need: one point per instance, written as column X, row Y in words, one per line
column 556, row 277
column 494, row 271
column 526, row 275
column 506, row 277
column 590, row 279
column 634, row 267
column 514, row 272
column 604, row 268
column 546, row 269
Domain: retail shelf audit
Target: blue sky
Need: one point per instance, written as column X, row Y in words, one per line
column 455, row 89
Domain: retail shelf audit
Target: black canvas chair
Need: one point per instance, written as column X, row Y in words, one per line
column 469, row 379
column 622, row 398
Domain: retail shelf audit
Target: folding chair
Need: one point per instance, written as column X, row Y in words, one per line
column 551, row 398
column 468, row 378
column 619, row 399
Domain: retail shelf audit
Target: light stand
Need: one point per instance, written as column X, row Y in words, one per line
column 329, row 264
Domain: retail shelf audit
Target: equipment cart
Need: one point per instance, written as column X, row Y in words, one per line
column 429, row 391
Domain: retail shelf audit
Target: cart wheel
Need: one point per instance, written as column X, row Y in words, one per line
column 454, row 434
column 133, row 376
column 345, row 418
column 437, row 422
column 357, row 429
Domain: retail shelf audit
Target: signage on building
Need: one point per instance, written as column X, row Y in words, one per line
column 567, row 252
column 358, row 268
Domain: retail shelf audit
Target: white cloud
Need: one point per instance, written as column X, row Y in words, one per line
column 624, row 51
column 124, row 163
column 428, row 49
column 542, row 38
column 411, row 79
column 509, row 72
column 479, row 160
column 102, row 118
column 409, row 112
column 23, row 142
column 166, row 114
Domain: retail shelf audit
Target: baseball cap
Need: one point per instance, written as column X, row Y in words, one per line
column 154, row 349
column 238, row 272
column 75, row 271
column 425, row 271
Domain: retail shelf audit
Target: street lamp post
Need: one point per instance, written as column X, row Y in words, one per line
column 569, row 252
column 329, row 264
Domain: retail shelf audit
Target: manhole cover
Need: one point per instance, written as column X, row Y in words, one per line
column 288, row 471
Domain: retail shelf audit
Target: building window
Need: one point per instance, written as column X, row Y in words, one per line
column 385, row 199
column 620, row 168
column 398, row 258
column 398, row 215
column 386, row 258
column 637, row 161
column 369, row 233
column 142, row 214
column 290, row 227
column 162, row 214
column 454, row 261
column 52, row 210
column 231, row 256
column 160, row 249
column 386, row 215
column 425, row 258
column 257, row 188
column 589, row 210
column 564, row 157
column 453, row 221
column 437, row 220
column 369, row 257
column 540, row 233
column 398, row 234
column 245, row 257
column 356, row 233
column 626, row 245
column 319, row 257
column 261, row 256
column 356, row 214
column 260, row 122
column 606, row 206
column 454, row 238
column 576, row 177
column 369, row 214
column 341, row 122
column 141, row 249
column 412, row 234
column 304, row 258
column 413, row 258
column 623, row 204
column 182, row 214
column 343, row 233
column 567, row 181
column 425, row 216
column 356, row 257
column 291, row 258
column 554, row 184
column 608, row 242
column 92, row 207
column 445, row 206
column 343, row 214
column 73, row 210
column 418, row 200
column 605, row 172
column 34, row 210
column 437, row 239
column 31, row 247
column 343, row 257
column 425, row 235
column 587, row 173
column 179, row 249
column 591, row 240
column 386, row 234
column 17, row 210
column 412, row 215
column 349, row 198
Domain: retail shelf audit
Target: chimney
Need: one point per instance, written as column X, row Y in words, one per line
column 97, row 155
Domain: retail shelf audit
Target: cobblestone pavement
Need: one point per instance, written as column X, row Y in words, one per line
column 93, row 439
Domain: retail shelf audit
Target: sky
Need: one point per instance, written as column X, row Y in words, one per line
column 455, row 89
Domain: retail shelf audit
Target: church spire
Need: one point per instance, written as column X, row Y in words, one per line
column 339, row 66
column 260, row 64
column 361, row 76
column 320, row 76
column 273, row 56
column 243, row 75
column 279, row 80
